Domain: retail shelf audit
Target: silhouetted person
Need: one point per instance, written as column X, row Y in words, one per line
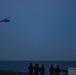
column 30, row 67
column 57, row 70
column 42, row 70
column 51, row 70
column 36, row 69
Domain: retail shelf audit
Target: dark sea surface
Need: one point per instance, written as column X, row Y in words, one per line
column 22, row 66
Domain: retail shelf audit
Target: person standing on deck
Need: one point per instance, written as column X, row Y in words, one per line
column 30, row 67
column 42, row 70
column 36, row 69
column 57, row 70
column 51, row 70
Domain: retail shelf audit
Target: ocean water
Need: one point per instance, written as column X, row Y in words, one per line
column 22, row 66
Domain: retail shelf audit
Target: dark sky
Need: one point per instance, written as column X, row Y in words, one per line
column 39, row 30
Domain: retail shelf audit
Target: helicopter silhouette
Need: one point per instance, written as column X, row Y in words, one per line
column 5, row 20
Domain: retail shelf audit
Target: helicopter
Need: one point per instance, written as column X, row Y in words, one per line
column 5, row 20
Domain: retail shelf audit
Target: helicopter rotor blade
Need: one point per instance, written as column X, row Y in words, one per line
column 8, row 17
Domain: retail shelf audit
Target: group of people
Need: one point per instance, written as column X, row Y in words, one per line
column 54, row 71
column 35, row 70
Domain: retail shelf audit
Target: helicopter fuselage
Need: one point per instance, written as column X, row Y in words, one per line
column 5, row 20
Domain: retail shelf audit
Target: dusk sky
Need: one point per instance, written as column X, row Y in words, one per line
column 39, row 30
